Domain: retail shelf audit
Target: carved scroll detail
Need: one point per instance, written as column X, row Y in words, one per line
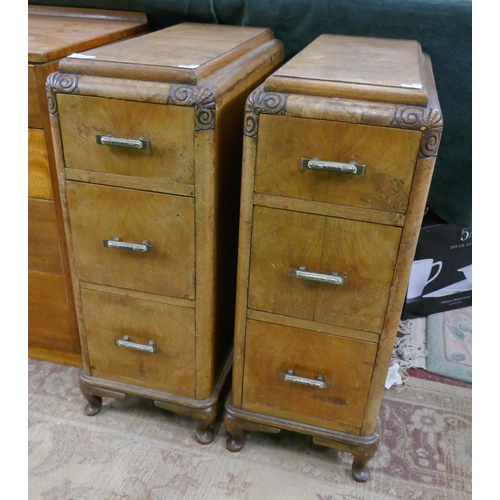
column 429, row 120
column 258, row 102
column 202, row 99
column 60, row 83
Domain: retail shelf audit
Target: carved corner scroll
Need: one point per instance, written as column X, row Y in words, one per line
column 202, row 99
column 429, row 120
column 60, row 83
column 258, row 102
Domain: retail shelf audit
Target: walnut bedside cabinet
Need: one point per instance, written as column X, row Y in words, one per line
column 339, row 150
column 148, row 139
column 55, row 32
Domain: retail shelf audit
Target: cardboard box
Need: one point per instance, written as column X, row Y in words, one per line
column 441, row 274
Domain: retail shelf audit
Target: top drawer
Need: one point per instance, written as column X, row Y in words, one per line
column 166, row 135
column 389, row 155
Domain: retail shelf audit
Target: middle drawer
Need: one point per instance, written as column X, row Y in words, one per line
column 155, row 253
column 363, row 254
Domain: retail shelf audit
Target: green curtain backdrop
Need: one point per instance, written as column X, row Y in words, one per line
column 443, row 27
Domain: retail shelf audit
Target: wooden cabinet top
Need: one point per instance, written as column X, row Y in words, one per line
column 186, row 53
column 373, row 69
column 55, row 32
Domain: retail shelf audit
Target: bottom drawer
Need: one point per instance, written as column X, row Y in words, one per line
column 335, row 401
column 48, row 313
column 167, row 366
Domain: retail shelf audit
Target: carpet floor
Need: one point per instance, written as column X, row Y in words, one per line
column 133, row 450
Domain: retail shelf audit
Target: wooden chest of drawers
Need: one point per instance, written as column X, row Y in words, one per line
column 339, row 149
column 148, row 134
column 55, row 32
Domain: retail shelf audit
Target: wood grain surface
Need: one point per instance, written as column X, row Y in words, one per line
column 347, row 364
column 167, row 222
column 39, row 182
column 372, row 69
column 364, row 253
column 43, row 239
column 53, row 34
column 184, row 53
column 48, row 315
column 389, row 156
column 109, row 317
column 34, row 110
column 170, row 130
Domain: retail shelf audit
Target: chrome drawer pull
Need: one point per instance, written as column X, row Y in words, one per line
column 290, row 376
column 110, row 140
column 332, row 166
column 144, row 247
column 126, row 342
column 302, row 274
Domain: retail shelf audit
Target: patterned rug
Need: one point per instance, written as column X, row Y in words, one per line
column 133, row 450
column 449, row 344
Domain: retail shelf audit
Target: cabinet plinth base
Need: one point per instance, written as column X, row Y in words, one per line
column 203, row 411
column 238, row 422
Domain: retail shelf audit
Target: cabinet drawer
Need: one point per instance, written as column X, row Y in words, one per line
column 389, row 156
column 168, row 130
column 345, row 366
column 39, row 183
column 34, row 110
column 48, row 313
column 44, row 253
column 169, row 367
column 363, row 253
column 98, row 214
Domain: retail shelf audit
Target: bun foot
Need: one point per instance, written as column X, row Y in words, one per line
column 360, row 475
column 95, row 402
column 93, row 407
column 235, row 443
column 360, row 472
column 204, row 435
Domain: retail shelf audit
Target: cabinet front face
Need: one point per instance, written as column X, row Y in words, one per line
column 133, row 239
column 34, row 110
column 306, row 376
column 137, row 139
column 387, row 156
column 39, row 182
column 324, row 269
column 138, row 341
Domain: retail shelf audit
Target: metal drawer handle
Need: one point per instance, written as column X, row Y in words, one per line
column 290, row 376
column 144, row 247
column 126, row 342
column 332, row 166
column 110, row 140
column 302, row 274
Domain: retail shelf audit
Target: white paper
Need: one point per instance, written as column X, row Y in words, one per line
column 81, row 56
column 393, row 376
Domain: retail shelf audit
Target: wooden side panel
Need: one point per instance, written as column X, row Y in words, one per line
column 346, row 364
column 389, row 156
column 43, row 239
column 109, row 317
column 167, row 222
column 34, row 111
column 48, row 320
column 39, row 183
column 170, row 130
column 218, row 174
